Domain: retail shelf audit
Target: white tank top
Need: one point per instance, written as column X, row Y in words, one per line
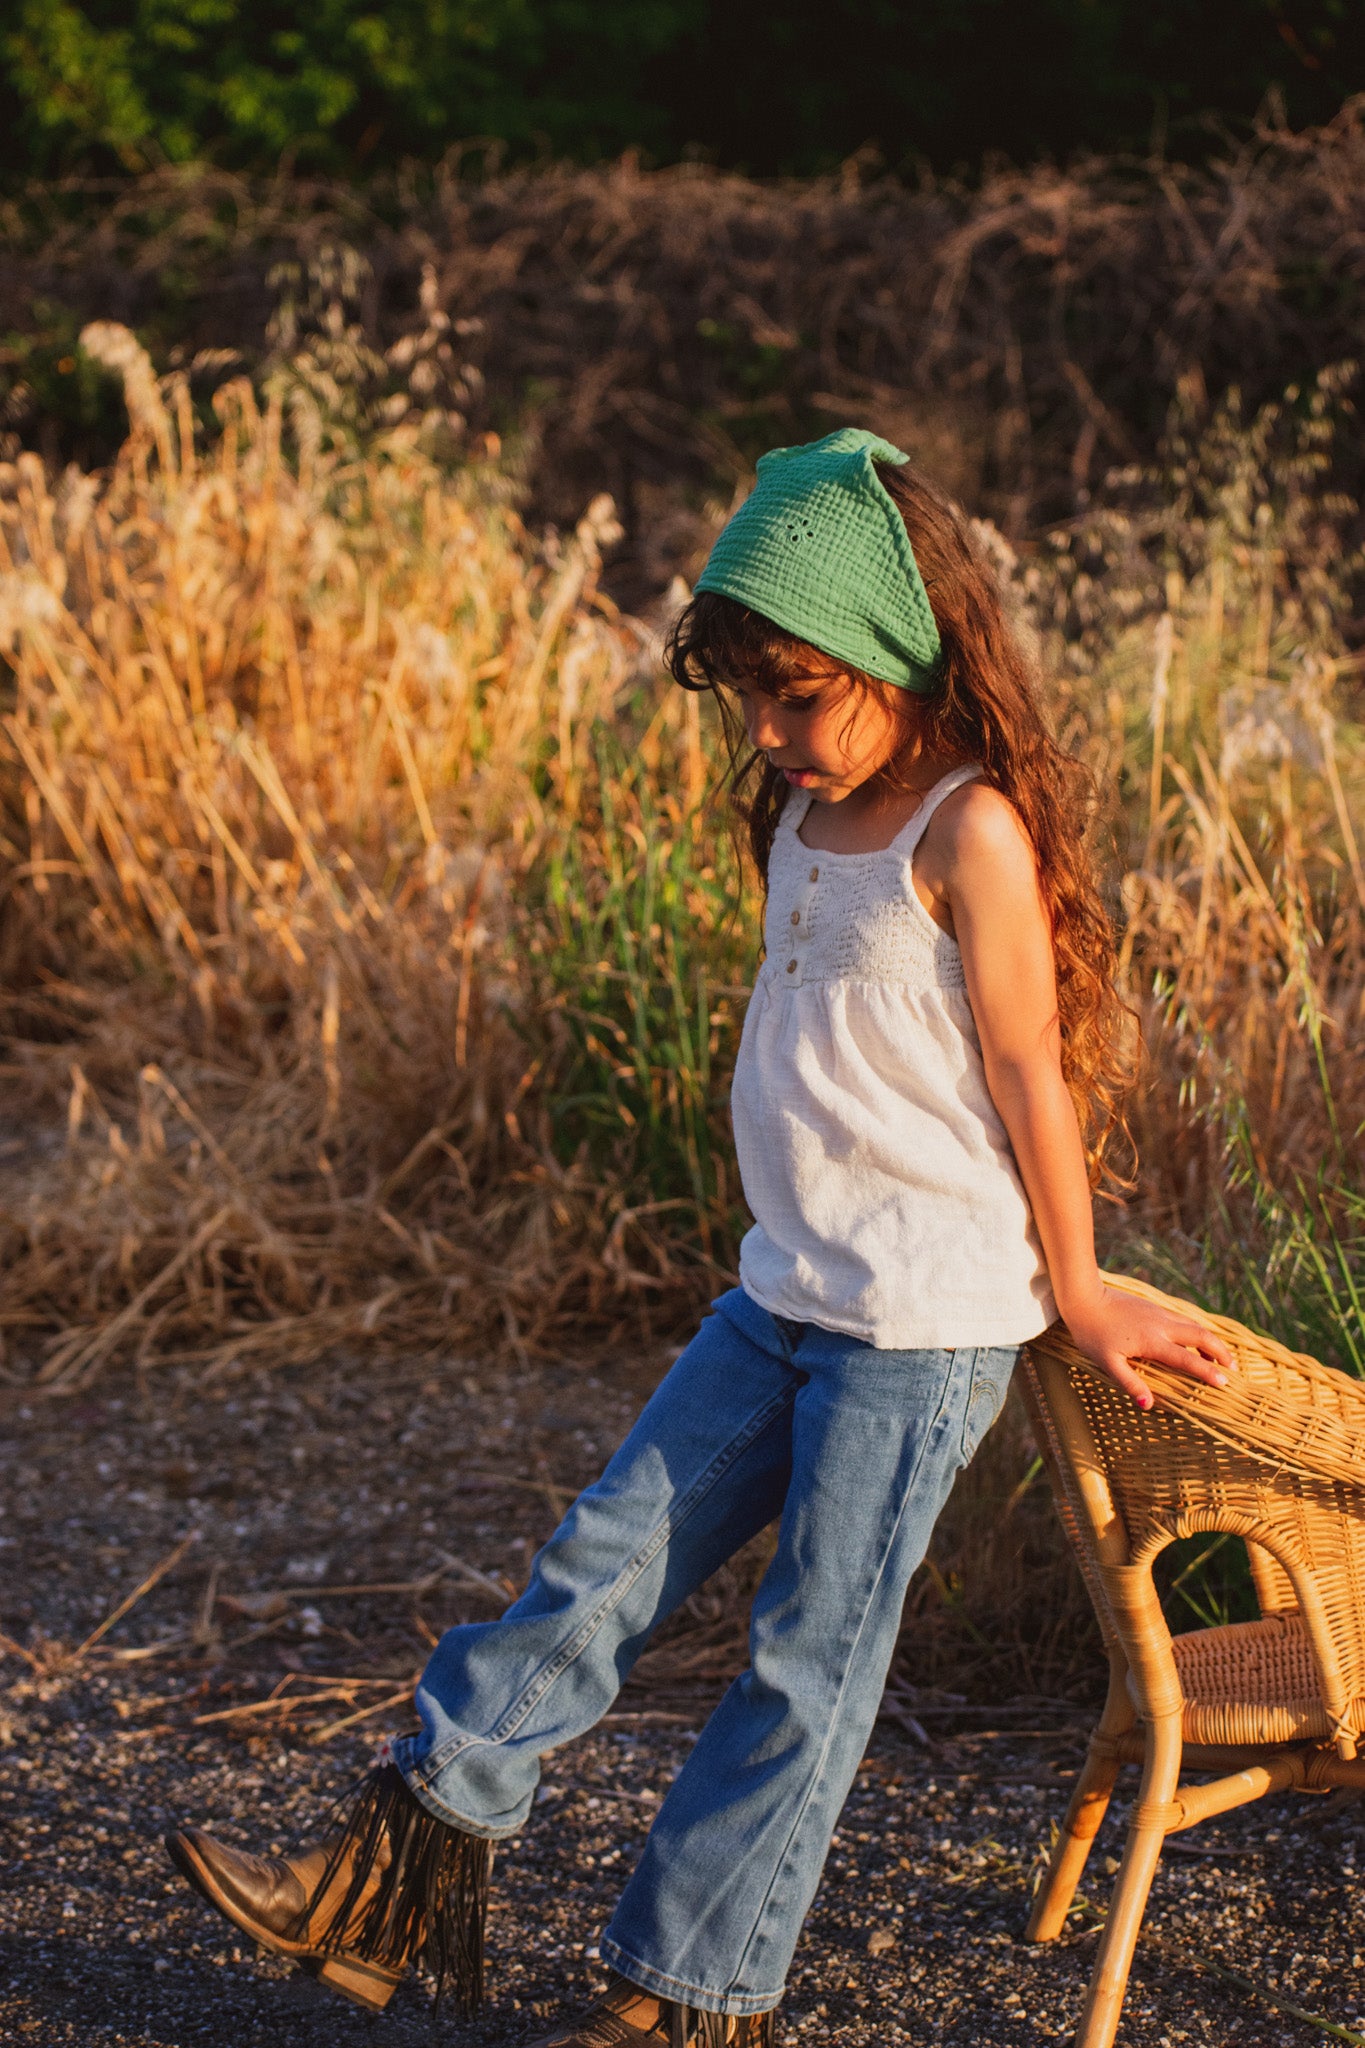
column 885, row 1196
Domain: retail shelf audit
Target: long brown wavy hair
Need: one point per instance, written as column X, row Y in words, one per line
column 984, row 707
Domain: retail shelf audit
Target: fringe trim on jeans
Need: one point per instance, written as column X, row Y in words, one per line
column 431, row 1898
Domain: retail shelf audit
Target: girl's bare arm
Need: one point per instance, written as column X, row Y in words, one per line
column 977, row 865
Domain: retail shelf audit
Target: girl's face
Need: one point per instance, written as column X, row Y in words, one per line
column 820, row 735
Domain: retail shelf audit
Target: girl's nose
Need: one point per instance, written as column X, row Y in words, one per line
column 765, row 732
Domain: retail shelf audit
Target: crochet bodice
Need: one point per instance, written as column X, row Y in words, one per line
column 866, row 923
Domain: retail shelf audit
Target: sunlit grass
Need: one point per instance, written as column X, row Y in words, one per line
column 372, row 927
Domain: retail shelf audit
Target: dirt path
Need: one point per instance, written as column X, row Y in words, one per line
column 433, row 1483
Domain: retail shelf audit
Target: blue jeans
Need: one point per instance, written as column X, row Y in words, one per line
column 853, row 1451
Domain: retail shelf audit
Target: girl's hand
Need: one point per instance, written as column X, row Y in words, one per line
column 1113, row 1329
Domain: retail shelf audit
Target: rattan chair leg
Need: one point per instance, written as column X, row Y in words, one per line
column 1104, row 1998
column 1089, row 1803
column 1086, row 1810
column 1128, row 1902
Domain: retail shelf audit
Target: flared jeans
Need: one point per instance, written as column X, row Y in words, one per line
column 852, row 1451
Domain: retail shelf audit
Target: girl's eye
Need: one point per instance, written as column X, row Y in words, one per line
column 787, row 703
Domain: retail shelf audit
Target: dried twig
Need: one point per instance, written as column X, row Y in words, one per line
column 13, row 1649
column 125, row 1606
column 351, row 1720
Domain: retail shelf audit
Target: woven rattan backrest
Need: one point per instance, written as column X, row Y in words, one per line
column 1087, row 1509
column 1277, row 1456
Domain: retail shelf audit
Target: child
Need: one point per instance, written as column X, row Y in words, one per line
column 927, row 1076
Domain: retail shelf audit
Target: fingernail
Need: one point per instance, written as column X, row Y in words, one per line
column 1220, row 1379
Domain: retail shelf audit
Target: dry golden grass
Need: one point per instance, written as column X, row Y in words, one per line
column 365, row 914
column 275, row 769
column 1204, row 665
column 368, row 922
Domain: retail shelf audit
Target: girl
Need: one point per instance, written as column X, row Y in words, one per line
column 927, row 1078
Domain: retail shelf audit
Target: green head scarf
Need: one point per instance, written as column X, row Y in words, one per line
column 819, row 548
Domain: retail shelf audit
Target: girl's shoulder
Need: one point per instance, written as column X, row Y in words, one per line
column 976, row 827
column 976, row 815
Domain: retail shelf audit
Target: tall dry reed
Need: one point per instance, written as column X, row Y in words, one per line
column 1199, row 643
column 285, row 741
column 368, row 924
column 365, row 910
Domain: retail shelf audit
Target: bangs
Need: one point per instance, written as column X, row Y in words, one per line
column 717, row 642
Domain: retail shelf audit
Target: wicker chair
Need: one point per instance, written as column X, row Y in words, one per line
column 1277, row 1457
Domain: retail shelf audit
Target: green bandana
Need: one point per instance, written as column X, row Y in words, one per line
column 819, row 548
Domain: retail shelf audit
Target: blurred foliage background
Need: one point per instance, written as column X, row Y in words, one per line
column 347, row 87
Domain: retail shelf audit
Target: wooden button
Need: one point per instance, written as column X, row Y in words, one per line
column 791, row 967
column 815, row 874
column 796, row 917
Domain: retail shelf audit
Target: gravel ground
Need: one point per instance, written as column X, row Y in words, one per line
column 431, row 1483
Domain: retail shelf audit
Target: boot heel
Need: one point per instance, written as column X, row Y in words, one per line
column 365, row 1983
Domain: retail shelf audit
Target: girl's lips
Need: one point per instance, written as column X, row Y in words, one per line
column 800, row 776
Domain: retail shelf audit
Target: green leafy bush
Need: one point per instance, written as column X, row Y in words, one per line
column 336, row 82
column 348, row 84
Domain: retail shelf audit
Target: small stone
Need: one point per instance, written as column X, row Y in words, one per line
column 880, row 1940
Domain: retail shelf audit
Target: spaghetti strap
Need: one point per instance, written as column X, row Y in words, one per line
column 913, row 830
column 906, row 840
column 793, row 814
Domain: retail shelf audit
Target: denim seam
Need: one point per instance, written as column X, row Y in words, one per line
column 437, row 1808
column 786, row 1355
column 977, row 1382
column 823, row 1759
column 541, row 1681
column 979, row 1379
